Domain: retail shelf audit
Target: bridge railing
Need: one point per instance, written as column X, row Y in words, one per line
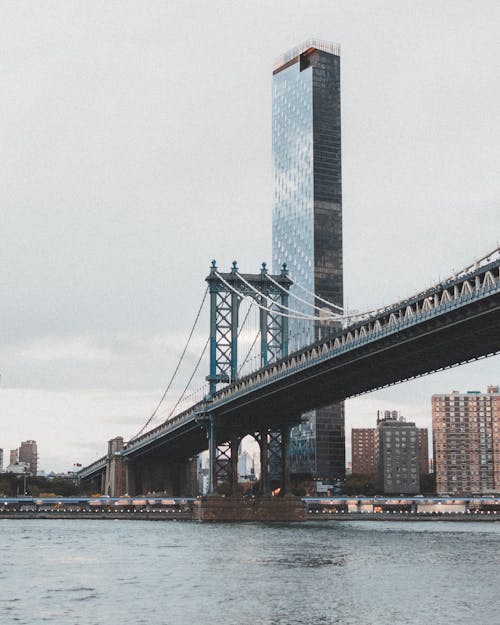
column 95, row 467
column 168, row 425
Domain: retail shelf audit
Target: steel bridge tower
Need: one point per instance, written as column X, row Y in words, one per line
column 270, row 292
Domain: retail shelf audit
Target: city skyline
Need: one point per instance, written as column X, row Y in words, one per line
column 124, row 176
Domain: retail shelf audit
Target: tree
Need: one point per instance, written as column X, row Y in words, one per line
column 359, row 484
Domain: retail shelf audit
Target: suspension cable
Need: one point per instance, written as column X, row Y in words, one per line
column 249, row 352
column 273, row 303
column 176, row 368
column 240, row 329
column 190, row 379
column 253, row 302
column 269, row 277
column 325, row 301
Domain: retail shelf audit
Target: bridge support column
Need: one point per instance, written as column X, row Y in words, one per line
column 212, row 456
column 235, row 445
column 285, row 460
column 271, row 459
column 264, row 463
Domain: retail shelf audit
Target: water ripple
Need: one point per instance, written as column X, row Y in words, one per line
column 81, row 572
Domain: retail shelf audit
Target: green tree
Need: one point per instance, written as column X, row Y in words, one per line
column 359, row 484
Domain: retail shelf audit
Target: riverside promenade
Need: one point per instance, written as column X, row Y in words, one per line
column 228, row 509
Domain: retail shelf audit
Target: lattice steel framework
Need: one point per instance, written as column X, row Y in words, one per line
column 227, row 290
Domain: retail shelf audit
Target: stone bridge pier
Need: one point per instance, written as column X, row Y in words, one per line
column 274, row 444
column 275, row 472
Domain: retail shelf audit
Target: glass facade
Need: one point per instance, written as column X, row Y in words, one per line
column 293, row 216
column 307, row 222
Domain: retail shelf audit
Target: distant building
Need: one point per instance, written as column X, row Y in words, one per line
column 18, row 468
column 467, row 442
column 1, row 460
column 246, row 471
column 13, row 456
column 397, row 456
column 28, row 452
column 363, row 444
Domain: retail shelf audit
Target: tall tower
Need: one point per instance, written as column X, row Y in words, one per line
column 307, row 222
column 28, row 452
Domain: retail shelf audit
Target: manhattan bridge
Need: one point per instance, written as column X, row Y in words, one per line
column 263, row 389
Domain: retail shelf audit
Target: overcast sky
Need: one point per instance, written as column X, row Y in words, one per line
column 135, row 146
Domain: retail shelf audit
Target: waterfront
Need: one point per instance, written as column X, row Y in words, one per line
column 117, row 572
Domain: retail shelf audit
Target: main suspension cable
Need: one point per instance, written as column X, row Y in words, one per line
column 190, row 379
column 325, row 301
column 300, row 299
column 176, row 368
column 253, row 302
column 273, row 303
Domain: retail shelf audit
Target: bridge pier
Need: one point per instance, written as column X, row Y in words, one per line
column 114, row 476
column 262, row 439
column 129, row 477
column 285, row 461
column 233, row 509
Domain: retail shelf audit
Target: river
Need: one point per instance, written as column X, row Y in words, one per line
column 93, row 572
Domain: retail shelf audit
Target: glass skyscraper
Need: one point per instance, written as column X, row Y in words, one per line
column 307, row 223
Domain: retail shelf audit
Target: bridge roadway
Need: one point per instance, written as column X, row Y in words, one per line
column 450, row 323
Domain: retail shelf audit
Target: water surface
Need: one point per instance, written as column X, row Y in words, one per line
column 100, row 572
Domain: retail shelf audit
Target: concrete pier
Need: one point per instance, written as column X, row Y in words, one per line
column 233, row 509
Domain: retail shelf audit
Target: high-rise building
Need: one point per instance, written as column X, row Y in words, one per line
column 398, row 468
column 1, row 460
column 363, row 446
column 307, row 224
column 28, row 453
column 467, row 442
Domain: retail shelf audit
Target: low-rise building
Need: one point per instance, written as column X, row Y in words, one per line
column 363, row 445
column 398, row 469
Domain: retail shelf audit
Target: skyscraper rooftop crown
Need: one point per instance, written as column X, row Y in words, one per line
column 318, row 44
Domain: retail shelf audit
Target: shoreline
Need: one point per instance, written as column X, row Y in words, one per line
column 188, row 516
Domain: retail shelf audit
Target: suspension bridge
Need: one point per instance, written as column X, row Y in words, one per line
column 450, row 323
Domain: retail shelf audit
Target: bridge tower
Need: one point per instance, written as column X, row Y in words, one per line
column 226, row 293
column 227, row 290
